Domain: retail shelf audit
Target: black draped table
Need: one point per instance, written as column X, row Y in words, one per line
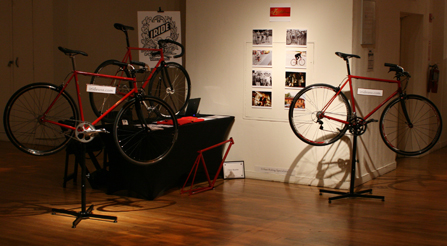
column 151, row 181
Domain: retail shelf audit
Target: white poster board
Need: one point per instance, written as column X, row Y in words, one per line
column 153, row 26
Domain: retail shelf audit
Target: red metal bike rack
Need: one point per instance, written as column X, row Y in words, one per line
column 199, row 160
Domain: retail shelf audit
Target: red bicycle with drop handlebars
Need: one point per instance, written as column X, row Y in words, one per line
column 168, row 81
column 320, row 114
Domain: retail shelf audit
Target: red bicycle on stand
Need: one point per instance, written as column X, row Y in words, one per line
column 410, row 124
column 41, row 118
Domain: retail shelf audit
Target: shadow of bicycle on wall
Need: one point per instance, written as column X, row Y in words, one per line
column 331, row 170
column 328, row 165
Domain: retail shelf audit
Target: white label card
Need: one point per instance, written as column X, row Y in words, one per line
column 101, row 89
column 370, row 92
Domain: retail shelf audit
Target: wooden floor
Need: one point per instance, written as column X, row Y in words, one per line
column 237, row 212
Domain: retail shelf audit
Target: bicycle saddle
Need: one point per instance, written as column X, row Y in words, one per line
column 122, row 27
column 69, row 52
column 346, row 56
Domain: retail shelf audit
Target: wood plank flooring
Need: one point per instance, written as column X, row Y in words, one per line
column 237, row 212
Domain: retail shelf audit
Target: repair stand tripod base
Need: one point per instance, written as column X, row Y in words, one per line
column 84, row 213
column 352, row 193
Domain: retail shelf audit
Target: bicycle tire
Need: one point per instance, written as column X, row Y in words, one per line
column 302, row 62
column 22, row 123
column 138, row 137
column 101, row 102
column 293, row 62
column 177, row 98
column 418, row 138
column 303, row 118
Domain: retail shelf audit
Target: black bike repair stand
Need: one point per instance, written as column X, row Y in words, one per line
column 351, row 193
column 84, row 213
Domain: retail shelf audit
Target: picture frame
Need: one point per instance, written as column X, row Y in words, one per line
column 261, row 99
column 295, row 79
column 262, row 58
column 262, row 78
column 262, row 37
column 234, row 170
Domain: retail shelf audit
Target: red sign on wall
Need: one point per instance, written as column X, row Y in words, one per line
column 280, row 12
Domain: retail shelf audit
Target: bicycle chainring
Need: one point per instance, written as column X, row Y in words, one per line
column 357, row 126
column 85, row 132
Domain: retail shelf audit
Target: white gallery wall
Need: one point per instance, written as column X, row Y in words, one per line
column 219, row 38
column 219, row 45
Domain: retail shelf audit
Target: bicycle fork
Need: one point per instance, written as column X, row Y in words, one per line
column 404, row 110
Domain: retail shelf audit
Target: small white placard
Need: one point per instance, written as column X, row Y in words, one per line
column 370, row 92
column 234, row 170
column 101, row 89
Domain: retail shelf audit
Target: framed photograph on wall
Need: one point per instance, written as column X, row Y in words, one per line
column 262, row 37
column 288, row 98
column 262, row 78
column 296, row 58
column 296, row 37
column 261, row 99
column 262, row 58
column 295, row 80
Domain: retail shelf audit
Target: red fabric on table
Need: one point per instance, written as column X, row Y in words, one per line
column 181, row 121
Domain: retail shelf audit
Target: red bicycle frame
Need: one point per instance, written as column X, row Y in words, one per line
column 128, row 57
column 78, row 92
column 349, row 79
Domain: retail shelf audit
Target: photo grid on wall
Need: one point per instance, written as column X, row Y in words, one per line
column 296, row 61
column 294, row 69
column 262, row 59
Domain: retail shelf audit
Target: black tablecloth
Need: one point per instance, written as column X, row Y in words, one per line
column 150, row 181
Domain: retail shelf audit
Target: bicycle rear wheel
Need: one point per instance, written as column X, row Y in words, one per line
column 101, row 102
column 415, row 138
column 23, row 124
column 176, row 96
column 137, row 135
column 293, row 62
column 308, row 120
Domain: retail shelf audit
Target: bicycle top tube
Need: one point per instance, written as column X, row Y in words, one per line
column 393, row 67
column 71, row 53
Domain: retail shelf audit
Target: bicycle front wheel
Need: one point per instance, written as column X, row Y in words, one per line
column 100, row 101
column 318, row 115
column 23, row 116
column 138, row 135
column 416, row 134
column 171, row 84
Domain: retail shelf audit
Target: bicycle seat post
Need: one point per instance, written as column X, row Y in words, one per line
column 127, row 38
column 347, row 65
column 73, row 62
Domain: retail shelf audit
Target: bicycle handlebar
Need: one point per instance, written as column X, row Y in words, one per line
column 397, row 69
column 162, row 43
column 122, row 27
column 132, row 68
